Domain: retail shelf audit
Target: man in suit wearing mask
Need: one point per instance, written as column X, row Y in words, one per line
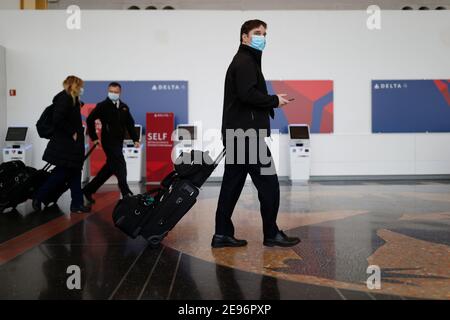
column 116, row 120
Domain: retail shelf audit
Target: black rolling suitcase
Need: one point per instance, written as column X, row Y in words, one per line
column 18, row 183
column 153, row 214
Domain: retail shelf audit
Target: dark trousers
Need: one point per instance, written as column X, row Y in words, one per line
column 58, row 177
column 115, row 165
column 265, row 179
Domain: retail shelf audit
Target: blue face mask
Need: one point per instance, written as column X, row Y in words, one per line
column 258, row 42
column 113, row 96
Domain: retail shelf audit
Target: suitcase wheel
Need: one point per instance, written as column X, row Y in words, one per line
column 3, row 207
column 155, row 240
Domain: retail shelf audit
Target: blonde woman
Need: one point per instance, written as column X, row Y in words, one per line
column 65, row 149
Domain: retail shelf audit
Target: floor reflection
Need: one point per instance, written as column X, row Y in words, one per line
column 345, row 227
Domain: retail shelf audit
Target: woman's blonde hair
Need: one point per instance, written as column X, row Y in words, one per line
column 73, row 85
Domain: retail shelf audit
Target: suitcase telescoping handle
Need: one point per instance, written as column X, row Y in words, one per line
column 220, row 157
column 88, row 154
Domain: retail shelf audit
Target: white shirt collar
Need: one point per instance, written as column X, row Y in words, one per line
column 116, row 103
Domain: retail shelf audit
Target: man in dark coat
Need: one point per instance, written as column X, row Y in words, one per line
column 116, row 120
column 245, row 124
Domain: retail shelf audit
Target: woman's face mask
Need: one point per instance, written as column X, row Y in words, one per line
column 258, row 42
column 81, row 91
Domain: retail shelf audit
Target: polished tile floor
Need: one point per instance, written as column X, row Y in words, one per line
column 402, row 227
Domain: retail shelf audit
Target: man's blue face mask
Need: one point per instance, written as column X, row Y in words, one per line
column 258, row 42
column 113, row 96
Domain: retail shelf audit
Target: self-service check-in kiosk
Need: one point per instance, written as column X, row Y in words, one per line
column 133, row 156
column 86, row 173
column 16, row 147
column 186, row 138
column 299, row 152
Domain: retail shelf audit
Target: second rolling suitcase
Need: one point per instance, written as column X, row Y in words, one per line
column 18, row 183
column 152, row 215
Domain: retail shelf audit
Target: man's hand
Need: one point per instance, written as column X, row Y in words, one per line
column 282, row 100
column 137, row 144
column 75, row 136
column 96, row 142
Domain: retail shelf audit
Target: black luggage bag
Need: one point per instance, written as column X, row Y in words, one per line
column 153, row 214
column 18, row 183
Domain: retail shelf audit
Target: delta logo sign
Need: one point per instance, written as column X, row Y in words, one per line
column 410, row 106
column 313, row 104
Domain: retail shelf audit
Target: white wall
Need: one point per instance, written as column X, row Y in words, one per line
column 2, row 95
column 9, row 4
column 198, row 46
column 251, row 4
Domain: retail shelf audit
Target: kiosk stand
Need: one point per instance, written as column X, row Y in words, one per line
column 16, row 147
column 133, row 156
column 186, row 139
column 299, row 153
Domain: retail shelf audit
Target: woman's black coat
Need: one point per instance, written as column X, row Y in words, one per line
column 62, row 150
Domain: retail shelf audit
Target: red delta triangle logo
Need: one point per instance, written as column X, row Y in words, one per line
column 443, row 87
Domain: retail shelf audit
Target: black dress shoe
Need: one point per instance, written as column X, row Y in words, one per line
column 81, row 209
column 88, row 197
column 281, row 240
column 37, row 205
column 219, row 241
